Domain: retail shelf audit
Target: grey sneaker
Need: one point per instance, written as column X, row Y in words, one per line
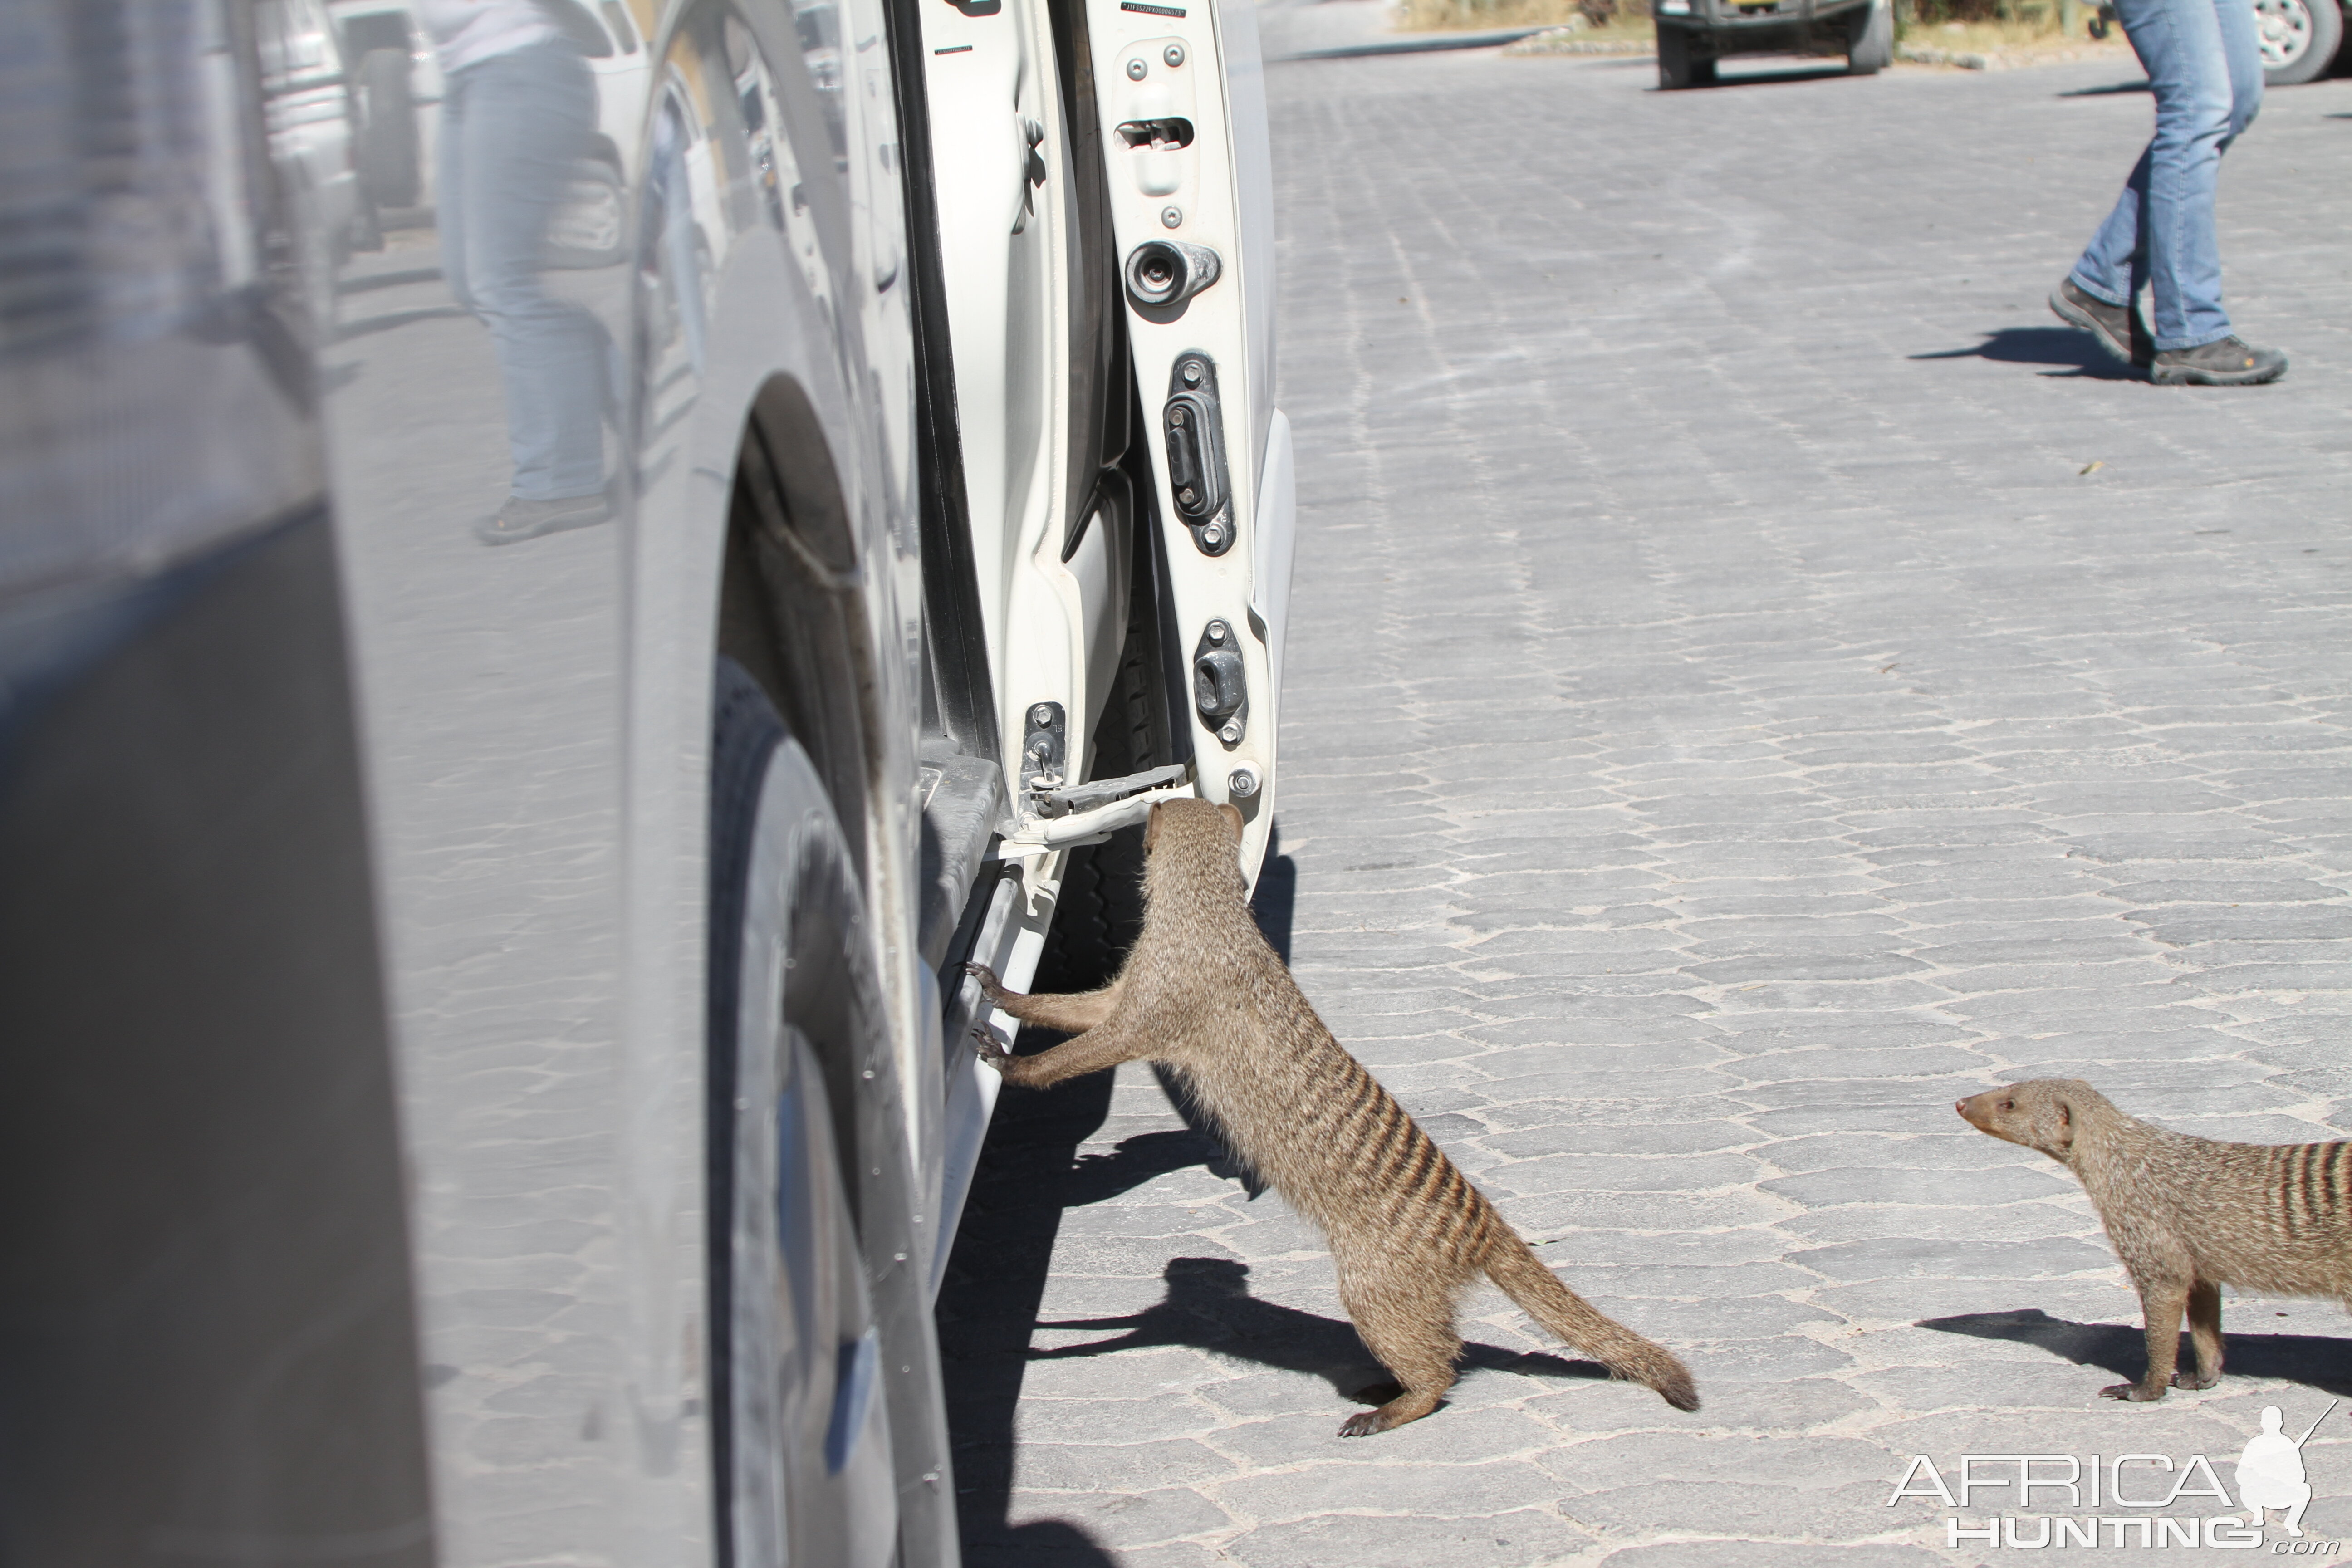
column 2229, row 361
column 519, row 520
column 2117, row 328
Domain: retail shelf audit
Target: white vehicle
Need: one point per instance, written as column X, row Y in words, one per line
column 493, row 1078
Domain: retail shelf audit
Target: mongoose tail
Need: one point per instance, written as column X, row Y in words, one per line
column 1538, row 1292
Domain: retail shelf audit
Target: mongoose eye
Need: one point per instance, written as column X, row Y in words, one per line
column 2009, row 1105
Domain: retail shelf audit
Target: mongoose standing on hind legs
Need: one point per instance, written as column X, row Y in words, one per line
column 1203, row 992
column 2187, row 1215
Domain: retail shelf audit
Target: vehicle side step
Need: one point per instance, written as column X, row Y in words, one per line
column 963, row 802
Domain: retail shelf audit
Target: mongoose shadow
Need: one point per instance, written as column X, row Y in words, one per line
column 1275, row 895
column 1209, row 1307
column 1029, row 1174
column 2315, row 1360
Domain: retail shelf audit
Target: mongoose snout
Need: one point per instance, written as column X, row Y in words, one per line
column 2187, row 1215
column 1201, row 992
column 2034, row 1114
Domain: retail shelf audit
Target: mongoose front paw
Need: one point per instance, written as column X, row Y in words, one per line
column 2132, row 1392
column 2191, row 1380
column 990, row 986
column 1364, row 1423
column 985, row 1047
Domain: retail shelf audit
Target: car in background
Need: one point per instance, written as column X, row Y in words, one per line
column 1694, row 35
column 2300, row 39
column 492, row 1065
column 396, row 81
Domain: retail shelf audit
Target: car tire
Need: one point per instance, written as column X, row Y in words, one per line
column 1873, row 47
column 1678, row 68
column 2299, row 39
column 1100, row 910
column 822, row 1364
column 388, row 157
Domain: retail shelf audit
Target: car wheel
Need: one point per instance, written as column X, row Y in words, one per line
column 1873, row 47
column 2299, row 39
column 388, row 149
column 1678, row 65
column 799, row 1074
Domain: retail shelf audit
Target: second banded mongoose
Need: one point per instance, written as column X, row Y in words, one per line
column 1201, row 992
column 2187, row 1215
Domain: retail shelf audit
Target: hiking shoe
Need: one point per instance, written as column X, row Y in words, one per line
column 2115, row 327
column 519, row 520
column 2228, row 362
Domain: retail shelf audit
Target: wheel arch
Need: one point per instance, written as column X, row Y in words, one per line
column 792, row 607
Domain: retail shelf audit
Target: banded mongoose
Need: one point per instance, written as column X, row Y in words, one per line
column 2187, row 1215
column 1203, row 992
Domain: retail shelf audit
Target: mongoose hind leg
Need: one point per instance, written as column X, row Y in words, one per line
column 1409, row 1326
column 2204, row 1336
column 1069, row 1011
column 1105, row 1046
column 2162, row 1301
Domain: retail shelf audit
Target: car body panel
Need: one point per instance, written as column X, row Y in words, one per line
column 528, row 726
column 209, row 1344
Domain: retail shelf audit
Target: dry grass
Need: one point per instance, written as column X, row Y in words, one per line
column 1631, row 22
column 2000, row 38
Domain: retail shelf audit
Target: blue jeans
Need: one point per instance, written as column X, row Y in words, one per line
column 511, row 128
column 2205, row 66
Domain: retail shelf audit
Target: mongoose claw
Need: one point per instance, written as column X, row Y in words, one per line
column 2131, row 1392
column 1364, row 1423
column 985, row 1047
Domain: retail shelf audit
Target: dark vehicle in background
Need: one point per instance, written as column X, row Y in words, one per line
column 490, row 1064
column 1693, row 34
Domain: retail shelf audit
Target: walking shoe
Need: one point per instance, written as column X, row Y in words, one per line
column 519, row 520
column 2228, row 362
column 2117, row 328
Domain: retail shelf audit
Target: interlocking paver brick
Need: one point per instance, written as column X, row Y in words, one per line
column 1728, row 719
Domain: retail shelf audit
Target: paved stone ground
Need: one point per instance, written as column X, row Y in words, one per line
column 1726, row 724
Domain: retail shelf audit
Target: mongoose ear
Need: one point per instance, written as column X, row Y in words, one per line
column 1151, row 826
column 1233, row 816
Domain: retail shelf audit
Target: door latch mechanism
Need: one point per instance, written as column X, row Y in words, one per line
column 1220, row 686
column 1194, row 427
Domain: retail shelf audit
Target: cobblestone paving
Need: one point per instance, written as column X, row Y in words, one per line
column 1730, row 717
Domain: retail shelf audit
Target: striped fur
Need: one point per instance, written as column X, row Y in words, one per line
column 1201, row 992
column 2187, row 1215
